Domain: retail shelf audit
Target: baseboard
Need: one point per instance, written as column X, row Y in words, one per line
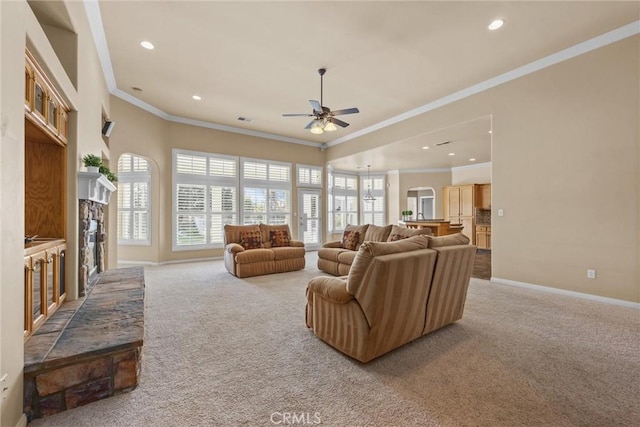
column 175, row 261
column 574, row 294
column 22, row 422
column 143, row 263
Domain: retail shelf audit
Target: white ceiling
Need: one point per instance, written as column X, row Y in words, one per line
column 259, row 59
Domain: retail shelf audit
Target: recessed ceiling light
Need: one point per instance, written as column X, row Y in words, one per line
column 197, row 97
column 426, row 147
column 452, row 154
column 496, row 24
column 147, row 45
column 490, row 131
column 472, row 160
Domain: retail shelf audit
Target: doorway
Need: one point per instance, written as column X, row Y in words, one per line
column 310, row 217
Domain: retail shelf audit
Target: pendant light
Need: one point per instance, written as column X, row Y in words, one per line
column 369, row 197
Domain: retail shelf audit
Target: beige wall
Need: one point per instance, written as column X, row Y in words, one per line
column 12, row 20
column 566, row 173
column 20, row 29
column 476, row 174
column 565, row 170
column 147, row 135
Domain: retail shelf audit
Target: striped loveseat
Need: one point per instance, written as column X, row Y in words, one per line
column 395, row 292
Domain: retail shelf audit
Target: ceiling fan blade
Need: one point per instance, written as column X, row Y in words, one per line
column 310, row 124
column 316, row 106
column 297, row 115
column 338, row 122
column 353, row 110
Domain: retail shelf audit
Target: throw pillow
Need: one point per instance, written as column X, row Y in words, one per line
column 396, row 237
column 350, row 240
column 279, row 238
column 250, row 239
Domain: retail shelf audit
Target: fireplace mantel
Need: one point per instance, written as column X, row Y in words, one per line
column 95, row 187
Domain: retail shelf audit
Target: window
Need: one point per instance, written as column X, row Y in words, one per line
column 134, row 201
column 205, row 198
column 343, row 200
column 211, row 190
column 266, row 192
column 373, row 212
column 309, row 176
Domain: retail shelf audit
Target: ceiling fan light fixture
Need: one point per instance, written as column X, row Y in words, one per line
column 330, row 127
column 317, row 127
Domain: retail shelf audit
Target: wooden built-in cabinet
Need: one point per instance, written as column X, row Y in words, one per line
column 43, row 104
column 44, row 282
column 45, row 190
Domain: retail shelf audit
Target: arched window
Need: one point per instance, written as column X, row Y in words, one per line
column 134, row 200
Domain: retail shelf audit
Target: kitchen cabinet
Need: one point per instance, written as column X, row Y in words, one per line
column 484, row 196
column 459, row 206
column 483, row 236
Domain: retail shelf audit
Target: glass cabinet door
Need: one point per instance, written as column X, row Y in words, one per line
column 40, row 99
column 61, row 270
column 52, row 119
column 49, row 294
column 28, row 292
column 37, row 290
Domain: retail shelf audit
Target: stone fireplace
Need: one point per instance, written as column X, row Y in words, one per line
column 92, row 244
column 94, row 192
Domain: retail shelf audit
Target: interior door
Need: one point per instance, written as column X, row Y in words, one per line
column 310, row 218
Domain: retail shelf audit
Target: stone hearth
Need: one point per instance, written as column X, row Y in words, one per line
column 89, row 349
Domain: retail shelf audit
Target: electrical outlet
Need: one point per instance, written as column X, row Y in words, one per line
column 500, row 212
column 591, row 274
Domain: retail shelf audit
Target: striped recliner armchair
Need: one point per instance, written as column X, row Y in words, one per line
column 395, row 292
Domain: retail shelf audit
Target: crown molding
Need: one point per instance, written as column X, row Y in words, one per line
column 561, row 56
column 473, row 166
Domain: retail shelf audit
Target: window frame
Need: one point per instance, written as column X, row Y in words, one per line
column 311, row 169
column 268, row 184
column 132, row 177
column 378, row 193
column 333, row 193
column 208, row 181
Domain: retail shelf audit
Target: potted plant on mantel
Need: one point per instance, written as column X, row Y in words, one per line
column 92, row 163
column 104, row 170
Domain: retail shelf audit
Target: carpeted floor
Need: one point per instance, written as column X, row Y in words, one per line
column 222, row 351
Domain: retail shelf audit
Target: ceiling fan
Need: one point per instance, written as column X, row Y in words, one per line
column 324, row 118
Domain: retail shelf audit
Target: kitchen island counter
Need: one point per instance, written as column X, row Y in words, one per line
column 438, row 227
